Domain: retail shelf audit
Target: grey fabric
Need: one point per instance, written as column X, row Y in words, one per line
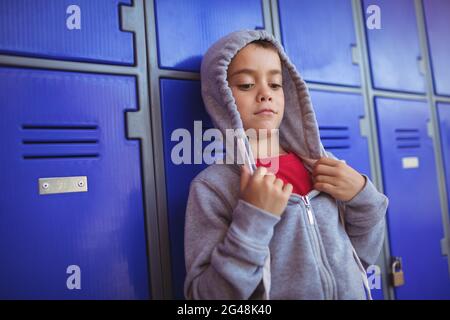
column 227, row 239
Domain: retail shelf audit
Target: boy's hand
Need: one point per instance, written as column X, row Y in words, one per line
column 337, row 179
column 264, row 190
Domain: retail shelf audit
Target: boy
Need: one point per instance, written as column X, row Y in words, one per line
column 275, row 233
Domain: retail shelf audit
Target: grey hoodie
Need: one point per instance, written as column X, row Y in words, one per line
column 228, row 241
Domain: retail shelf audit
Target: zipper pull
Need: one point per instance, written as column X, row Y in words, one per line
column 308, row 209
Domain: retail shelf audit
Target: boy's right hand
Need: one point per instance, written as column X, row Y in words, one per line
column 264, row 190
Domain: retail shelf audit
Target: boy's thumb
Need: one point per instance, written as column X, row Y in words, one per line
column 245, row 176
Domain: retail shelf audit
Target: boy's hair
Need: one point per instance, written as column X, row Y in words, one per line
column 264, row 44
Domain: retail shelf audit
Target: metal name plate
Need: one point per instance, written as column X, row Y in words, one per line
column 410, row 162
column 62, row 185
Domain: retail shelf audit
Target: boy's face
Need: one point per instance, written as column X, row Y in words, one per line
column 255, row 78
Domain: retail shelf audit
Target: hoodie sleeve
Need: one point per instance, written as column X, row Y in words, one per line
column 224, row 259
column 365, row 224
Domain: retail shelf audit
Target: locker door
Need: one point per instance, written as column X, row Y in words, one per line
column 181, row 105
column 339, row 115
column 319, row 37
column 187, row 28
column 80, row 30
column 394, row 50
column 437, row 18
column 414, row 213
column 71, row 238
column 444, row 121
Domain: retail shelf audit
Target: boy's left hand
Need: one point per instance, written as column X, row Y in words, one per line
column 337, row 178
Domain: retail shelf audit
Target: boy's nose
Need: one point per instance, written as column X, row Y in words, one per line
column 264, row 97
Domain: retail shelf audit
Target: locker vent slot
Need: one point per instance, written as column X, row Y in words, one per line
column 60, row 141
column 407, row 138
column 66, row 156
column 60, row 127
column 335, row 137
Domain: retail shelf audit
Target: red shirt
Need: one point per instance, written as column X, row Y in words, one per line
column 291, row 170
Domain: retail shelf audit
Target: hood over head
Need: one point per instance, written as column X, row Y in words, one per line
column 299, row 131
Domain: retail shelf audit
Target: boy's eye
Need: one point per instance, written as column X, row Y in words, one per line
column 246, row 86
column 275, row 85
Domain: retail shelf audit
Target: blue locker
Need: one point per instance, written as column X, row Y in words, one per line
column 181, row 105
column 79, row 30
column 437, row 19
column 319, row 37
column 394, row 50
column 444, row 121
column 414, row 213
column 61, row 124
column 187, row 28
column 338, row 116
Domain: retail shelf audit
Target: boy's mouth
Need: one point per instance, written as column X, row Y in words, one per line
column 265, row 111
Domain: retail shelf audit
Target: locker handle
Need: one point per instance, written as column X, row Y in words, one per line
column 356, row 57
column 445, row 246
column 421, row 65
column 129, row 17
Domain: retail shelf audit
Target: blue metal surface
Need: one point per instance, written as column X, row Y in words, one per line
column 60, row 124
column 187, row 28
column 394, row 50
column 181, row 105
column 414, row 213
column 437, row 19
column 444, row 122
column 38, row 29
column 338, row 115
column 318, row 37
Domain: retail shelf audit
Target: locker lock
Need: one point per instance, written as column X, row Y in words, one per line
column 398, row 278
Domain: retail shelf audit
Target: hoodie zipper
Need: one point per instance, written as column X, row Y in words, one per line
column 308, row 209
column 307, row 203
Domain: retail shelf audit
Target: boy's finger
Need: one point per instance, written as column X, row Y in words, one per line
column 325, row 179
column 245, row 176
column 288, row 188
column 269, row 177
column 325, row 170
column 260, row 173
column 325, row 187
column 279, row 183
column 328, row 161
